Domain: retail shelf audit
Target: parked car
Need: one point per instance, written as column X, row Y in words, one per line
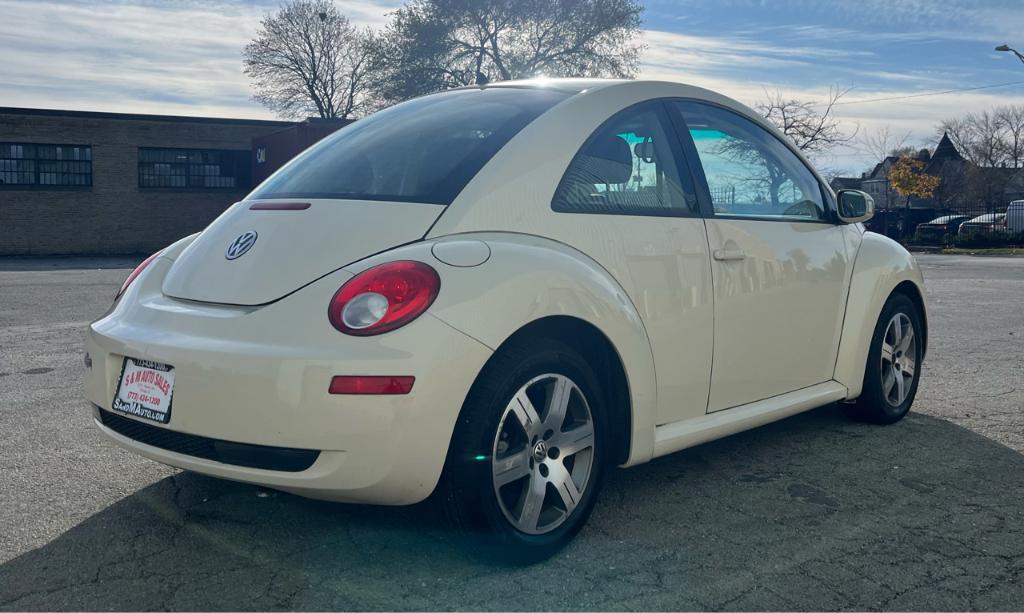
column 937, row 229
column 1015, row 216
column 988, row 222
column 496, row 294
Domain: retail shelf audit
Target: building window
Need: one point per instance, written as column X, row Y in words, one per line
column 45, row 166
column 193, row 168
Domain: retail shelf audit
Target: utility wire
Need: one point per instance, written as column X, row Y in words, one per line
column 921, row 95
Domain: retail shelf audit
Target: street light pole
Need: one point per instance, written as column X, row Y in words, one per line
column 1012, row 50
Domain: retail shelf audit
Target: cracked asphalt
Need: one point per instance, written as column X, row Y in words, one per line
column 814, row 512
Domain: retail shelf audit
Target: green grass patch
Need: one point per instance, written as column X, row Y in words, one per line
column 991, row 251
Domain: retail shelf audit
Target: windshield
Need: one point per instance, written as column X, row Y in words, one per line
column 424, row 150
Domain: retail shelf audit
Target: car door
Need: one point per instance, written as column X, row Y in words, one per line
column 634, row 210
column 780, row 267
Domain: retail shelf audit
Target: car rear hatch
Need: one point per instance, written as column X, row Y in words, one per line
column 373, row 185
column 260, row 251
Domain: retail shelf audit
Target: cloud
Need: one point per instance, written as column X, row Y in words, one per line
column 729, row 54
column 867, row 21
column 184, row 56
column 156, row 57
column 125, row 57
column 739, row 66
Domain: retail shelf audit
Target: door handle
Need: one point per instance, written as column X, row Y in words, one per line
column 729, row 255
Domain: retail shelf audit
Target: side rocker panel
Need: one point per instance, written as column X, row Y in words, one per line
column 528, row 278
column 881, row 264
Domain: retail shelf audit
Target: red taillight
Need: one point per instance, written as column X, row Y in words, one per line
column 371, row 384
column 383, row 298
column 135, row 273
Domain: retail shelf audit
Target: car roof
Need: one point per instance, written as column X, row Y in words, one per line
column 560, row 132
column 572, row 86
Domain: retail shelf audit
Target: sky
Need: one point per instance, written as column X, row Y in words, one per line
column 183, row 57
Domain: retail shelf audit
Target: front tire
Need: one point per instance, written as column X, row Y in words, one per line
column 894, row 363
column 528, row 453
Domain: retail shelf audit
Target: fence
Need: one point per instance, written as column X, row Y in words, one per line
column 968, row 225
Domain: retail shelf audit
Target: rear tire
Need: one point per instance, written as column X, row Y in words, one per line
column 528, row 453
column 894, row 363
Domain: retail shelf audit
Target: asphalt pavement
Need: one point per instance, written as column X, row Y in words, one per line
column 814, row 512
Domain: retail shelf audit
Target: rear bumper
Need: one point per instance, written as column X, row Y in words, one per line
column 281, row 459
column 260, row 377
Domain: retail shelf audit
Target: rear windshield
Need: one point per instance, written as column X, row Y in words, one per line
column 424, row 150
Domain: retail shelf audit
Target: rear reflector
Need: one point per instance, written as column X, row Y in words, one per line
column 279, row 206
column 382, row 385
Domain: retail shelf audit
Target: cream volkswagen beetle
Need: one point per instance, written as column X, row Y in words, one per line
column 498, row 293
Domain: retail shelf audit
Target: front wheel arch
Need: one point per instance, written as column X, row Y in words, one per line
column 911, row 291
column 874, row 403
column 882, row 267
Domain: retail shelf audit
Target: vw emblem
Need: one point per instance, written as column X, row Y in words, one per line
column 241, row 245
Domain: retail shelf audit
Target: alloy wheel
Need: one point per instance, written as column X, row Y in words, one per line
column 899, row 359
column 543, row 453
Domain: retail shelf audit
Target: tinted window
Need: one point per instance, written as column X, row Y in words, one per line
column 423, row 150
column 626, row 167
column 749, row 171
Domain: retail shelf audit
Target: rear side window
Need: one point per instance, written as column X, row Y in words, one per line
column 424, row 150
column 627, row 167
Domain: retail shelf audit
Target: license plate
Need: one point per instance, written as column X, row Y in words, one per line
column 145, row 390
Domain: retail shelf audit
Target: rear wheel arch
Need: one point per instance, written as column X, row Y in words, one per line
column 597, row 349
column 531, row 284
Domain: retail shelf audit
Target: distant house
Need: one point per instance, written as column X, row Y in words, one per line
column 969, row 188
column 876, row 182
column 958, row 189
column 945, row 155
column 964, row 187
column 838, row 183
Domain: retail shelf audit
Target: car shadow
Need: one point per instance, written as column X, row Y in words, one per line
column 814, row 512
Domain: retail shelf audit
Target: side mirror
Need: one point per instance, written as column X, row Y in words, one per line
column 854, row 206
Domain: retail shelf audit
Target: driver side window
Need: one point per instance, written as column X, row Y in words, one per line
column 749, row 172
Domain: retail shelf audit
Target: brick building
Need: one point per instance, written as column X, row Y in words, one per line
column 75, row 182
column 270, row 152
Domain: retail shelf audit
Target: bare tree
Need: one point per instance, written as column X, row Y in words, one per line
column 308, row 59
column 1011, row 119
column 431, row 45
column 883, row 142
column 812, row 127
column 989, row 144
column 980, row 138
